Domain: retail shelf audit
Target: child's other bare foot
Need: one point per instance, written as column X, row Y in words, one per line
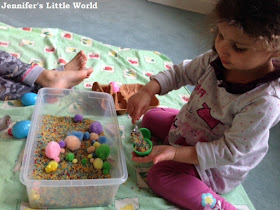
column 62, row 79
column 77, row 63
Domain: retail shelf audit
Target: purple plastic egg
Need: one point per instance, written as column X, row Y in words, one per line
column 96, row 127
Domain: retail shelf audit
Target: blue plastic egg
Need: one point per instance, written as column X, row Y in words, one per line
column 29, row 99
column 20, row 129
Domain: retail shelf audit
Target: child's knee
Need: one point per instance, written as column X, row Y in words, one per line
column 147, row 118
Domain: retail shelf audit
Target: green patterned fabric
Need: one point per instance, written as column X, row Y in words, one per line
column 51, row 48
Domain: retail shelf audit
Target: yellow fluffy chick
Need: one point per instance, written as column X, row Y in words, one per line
column 52, row 166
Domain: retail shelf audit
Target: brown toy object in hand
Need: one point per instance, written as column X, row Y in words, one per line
column 121, row 97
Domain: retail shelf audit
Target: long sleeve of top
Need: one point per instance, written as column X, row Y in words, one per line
column 228, row 123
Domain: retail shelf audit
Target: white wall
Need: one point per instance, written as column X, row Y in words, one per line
column 200, row 6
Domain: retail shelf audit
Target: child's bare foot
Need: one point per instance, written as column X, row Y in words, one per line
column 77, row 63
column 62, row 79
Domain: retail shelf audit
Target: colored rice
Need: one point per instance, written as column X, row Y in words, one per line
column 55, row 129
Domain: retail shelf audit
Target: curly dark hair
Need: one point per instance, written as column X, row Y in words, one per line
column 257, row 18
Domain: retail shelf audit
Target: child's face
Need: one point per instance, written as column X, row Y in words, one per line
column 238, row 51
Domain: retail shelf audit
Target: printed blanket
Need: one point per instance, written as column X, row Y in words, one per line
column 50, row 48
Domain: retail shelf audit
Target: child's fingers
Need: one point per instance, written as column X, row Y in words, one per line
column 141, row 110
column 141, row 159
column 135, row 114
column 145, row 109
column 130, row 109
column 158, row 158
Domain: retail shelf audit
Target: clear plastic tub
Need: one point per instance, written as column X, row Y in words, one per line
column 80, row 192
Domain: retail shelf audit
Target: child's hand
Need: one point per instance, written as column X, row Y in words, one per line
column 138, row 104
column 158, row 154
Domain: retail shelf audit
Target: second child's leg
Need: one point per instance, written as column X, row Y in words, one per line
column 18, row 77
column 77, row 63
column 62, row 79
column 10, row 90
column 74, row 73
column 14, row 70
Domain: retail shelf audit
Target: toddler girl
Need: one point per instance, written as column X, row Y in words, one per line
column 222, row 133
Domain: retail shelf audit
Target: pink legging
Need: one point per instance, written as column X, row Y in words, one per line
column 178, row 182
